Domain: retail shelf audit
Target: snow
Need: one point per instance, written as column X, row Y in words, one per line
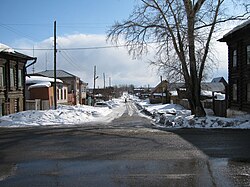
column 6, row 48
column 175, row 116
column 40, row 79
column 63, row 116
column 40, row 85
column 220, row 96
column 162, row 116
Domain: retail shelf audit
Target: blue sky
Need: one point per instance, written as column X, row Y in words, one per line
column 33, row 19
column 27, row 24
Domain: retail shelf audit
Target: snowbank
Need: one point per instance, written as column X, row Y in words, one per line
column 175, row 116
column 63, row 116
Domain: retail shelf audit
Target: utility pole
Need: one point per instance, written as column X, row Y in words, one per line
column 95, row 77
column 161, row 91
column 109, row 81
column 33, row 67
column 55, row 93
column 104, row 81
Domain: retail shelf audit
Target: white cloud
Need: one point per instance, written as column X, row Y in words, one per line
column 114, row 62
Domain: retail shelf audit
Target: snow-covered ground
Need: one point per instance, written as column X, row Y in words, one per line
column 175, row 116
column 163, row 116
column 64, row 116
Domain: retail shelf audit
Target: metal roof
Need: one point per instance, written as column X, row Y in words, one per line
column 59, row 74
column 207, row 86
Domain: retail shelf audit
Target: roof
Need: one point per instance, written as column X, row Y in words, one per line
column 40, row 79
column 234, row 30
column 40, row 82
column 217, row 79
column 59, row 74
column 162, row 83
column 207, row 86
column 212, row 86
column 6, row 50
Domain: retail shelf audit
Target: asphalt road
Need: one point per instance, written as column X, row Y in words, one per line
column 126, row 152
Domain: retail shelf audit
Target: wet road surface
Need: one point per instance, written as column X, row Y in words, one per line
column 126, row 152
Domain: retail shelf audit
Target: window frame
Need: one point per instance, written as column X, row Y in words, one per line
column 248, row 92
column 2, row 74
column 234, row 58
column 235, row 92
column 20, row 78
column 12, row 77
column 248, row 54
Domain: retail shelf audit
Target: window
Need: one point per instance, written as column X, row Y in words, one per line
column 235, row 92
column 20, row 75
column 234, row 58
column 57, row 94
column 248, row 54
column 12, row 74
column 1, row 77
column 65, row 94
column 61, row 93
column 248, row 92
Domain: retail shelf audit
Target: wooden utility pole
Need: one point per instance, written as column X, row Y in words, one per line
column 55, row 93
column 95, row 77
column 109, row 81
column 161, row 91
column 104, row 81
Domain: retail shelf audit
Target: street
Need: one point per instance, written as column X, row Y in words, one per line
column 129, row 151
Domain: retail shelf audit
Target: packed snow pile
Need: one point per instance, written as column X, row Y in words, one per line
column 63, row 116
column 175, row 116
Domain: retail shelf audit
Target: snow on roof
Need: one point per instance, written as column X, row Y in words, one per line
column 40, row 79
column 206, row 93
column 40, row 85
column 159, row 94
column 6, row 48
column 173, row 93
column 237, row 28
column 220, row 96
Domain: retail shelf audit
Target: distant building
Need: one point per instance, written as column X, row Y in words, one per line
column 238, row 41
column 12, row 79
column 42, row 89
column 210, row 93
column 160, row 94
column 76, row 88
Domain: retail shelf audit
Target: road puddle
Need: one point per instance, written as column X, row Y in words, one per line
column 187, row 172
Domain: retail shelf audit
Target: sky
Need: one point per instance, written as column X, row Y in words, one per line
column 80, row 24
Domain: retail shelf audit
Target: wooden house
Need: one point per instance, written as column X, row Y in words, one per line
column 12, row 79
column 160, row 94
column 238, row 41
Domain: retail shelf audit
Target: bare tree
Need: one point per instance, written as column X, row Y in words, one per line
column 182, row 31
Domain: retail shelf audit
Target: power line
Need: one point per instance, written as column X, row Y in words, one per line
column 16, row 31
column 72, row 49
column 81, row 48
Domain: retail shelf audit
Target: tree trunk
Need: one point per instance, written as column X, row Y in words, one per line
column 194, row 82
column 193, row 94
